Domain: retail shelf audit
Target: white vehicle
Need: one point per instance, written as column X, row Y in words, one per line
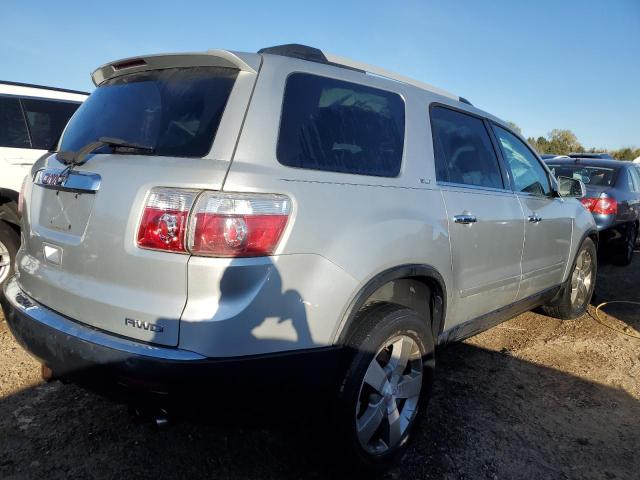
column 32, row 118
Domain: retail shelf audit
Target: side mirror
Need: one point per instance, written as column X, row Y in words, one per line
column 571, row 188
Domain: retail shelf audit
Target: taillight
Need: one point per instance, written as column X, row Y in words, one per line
column 589, row 203
column 21, row 195
column 163, row 225
column 237, row 224
column 220, row 224
column 601, row 206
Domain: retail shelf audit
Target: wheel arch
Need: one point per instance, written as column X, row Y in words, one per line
column 593, row 235
column 416, row 286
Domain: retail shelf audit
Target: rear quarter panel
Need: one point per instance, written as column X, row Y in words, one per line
column 362, row 224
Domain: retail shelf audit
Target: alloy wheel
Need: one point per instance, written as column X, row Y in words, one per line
column 5, row 262
column 582, row 278
column 389, row 395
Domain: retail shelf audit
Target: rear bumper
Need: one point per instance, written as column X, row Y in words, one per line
column 612, row 232
column 604, row 222
column 131, row 371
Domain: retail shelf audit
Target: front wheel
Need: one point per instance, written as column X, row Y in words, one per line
column 387, row 385
column 577, row 291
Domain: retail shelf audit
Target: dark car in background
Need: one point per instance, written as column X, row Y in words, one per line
column 604, row 156
column 613, row 197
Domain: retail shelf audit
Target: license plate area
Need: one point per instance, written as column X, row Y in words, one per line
column 64, row 211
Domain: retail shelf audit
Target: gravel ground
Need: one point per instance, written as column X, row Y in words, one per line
column 532, row 398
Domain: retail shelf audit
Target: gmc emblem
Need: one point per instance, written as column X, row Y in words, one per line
column 53, row 179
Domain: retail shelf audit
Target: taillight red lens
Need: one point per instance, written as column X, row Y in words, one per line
column 601, row 206
column 163, row 225
column 237, row 224
column 589, row 203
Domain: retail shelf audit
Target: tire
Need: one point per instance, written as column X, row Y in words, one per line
column 9, row 244
column 576, row 293
column 383, row 329
column 624, row 255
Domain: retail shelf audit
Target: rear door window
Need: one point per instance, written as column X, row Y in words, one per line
column 464, row 153
column 529, row 176
column 630, row 186
column 635, row 178
column 175, row 111
column 338, row 126
column 13, row 130
column 46, row 120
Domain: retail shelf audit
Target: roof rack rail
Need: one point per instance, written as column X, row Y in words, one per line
column 311, row 54
column 31, row 85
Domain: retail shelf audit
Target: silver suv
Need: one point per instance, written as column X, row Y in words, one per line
column 288, row 218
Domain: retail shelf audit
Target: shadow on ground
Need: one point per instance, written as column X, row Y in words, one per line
column 492, row 416
column 530, row 399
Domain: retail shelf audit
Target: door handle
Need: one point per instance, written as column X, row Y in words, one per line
column 465, row 219
column 534, row 218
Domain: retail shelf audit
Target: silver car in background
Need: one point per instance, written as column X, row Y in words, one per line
column 290, row 219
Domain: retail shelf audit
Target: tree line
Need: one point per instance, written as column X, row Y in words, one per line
column 562, row 142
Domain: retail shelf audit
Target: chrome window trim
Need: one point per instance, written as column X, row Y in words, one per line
column 533, row 195
column 474, row 187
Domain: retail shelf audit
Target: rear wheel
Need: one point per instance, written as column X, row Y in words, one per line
column 577, row 291
column 9, row 244
column 387, row 385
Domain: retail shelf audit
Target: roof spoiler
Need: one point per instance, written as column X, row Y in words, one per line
column 210, row 58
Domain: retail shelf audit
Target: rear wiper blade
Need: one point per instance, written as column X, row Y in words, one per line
column 73, row 159
column 119, row 143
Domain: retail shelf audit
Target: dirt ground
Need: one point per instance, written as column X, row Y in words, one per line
column 532, row 398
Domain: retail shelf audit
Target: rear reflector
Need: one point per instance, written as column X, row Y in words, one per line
column 237, row 224
column 164, row 221
column 601, row 206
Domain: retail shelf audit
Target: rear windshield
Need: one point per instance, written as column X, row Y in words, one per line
column 329, row 124
column 175, row 111
column 600, row 176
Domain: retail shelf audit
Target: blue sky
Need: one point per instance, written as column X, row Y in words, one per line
column 544, row 64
